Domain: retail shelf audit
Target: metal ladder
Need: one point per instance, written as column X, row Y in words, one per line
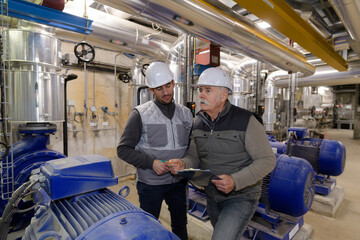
column 6, row 166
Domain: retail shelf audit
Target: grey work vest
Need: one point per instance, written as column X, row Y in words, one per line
column 162, row 138
column 222, row 149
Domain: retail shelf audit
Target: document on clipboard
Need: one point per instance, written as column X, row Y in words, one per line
column 198, row 176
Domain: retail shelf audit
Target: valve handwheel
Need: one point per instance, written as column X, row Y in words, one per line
column 84, row 52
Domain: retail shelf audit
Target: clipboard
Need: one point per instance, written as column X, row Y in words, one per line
column 198, row 176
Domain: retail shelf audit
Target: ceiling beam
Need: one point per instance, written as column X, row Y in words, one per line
column 284, row 19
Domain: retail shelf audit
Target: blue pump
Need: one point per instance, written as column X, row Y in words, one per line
column 87, row 210
column 29, row 153
column 327, row 157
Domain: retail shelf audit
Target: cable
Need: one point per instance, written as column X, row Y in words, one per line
column 10, row 210
column 18, row 210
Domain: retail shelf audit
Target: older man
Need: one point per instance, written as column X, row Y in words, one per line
column 155, row 132
column 232, row 143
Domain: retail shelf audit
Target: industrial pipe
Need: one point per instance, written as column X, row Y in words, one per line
column 237, row 34
column 325, row 76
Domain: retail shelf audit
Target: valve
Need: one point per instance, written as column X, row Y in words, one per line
column 84, row 52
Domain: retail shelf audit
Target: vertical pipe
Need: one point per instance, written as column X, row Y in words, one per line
column 85, row 102
column 356, row 132
column 93, row 95
column 115, row 94
column 65, row 133
column 292, row 99
column 257, row 86
column 65, row 136
column 187, row 82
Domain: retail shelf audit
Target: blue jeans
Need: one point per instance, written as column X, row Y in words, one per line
column 230, row 217
column 151, row 197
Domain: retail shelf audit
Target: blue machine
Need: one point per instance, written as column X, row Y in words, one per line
column 28, row 153
column 75, row 204
column 287, row 194
column 326, row 156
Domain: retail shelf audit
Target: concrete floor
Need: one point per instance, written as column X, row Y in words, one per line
column 345, row 225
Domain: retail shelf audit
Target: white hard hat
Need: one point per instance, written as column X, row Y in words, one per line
column 157, row 74
column 214, row 77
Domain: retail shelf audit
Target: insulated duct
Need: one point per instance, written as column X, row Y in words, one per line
column 270, row 94
column 177, row 65
column 244, row 69
column 349, row 13
column 229, row 60
column 325, row 76
column 175, row 60
column 234, row 32
column 120, row 35
column 240, row 77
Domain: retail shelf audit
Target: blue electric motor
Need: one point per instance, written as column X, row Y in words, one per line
column 289, row 188
column 326, row 156
column 28, row 153
column 75, row 204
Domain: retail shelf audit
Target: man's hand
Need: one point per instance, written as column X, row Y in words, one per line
column 160, row 167
column 175, row 165
column 225, row 185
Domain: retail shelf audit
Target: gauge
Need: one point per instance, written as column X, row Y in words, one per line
column 93, row 108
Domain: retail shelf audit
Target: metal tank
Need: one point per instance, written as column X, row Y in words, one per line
column 33, row 55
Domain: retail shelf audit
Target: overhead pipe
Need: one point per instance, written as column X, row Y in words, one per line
column 326, row 76
column 349, row 13
column 311, row 15
column 119, row 34
column 236, row 33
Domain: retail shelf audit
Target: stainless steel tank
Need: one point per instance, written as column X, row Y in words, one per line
column 36, row 90
column 36, row 96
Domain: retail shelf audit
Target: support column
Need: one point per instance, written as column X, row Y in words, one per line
column 356, row 134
